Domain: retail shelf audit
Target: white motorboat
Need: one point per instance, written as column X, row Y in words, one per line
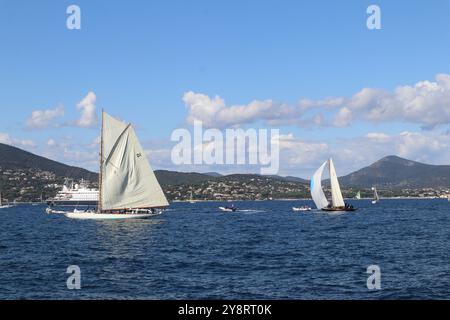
column 228, row 209
column 303, row 208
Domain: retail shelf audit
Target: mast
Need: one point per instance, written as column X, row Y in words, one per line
column 99, row 205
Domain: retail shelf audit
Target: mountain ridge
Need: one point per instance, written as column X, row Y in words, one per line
column 388, row 172
column 396, row 172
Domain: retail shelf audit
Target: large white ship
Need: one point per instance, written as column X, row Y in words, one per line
column 74, row 194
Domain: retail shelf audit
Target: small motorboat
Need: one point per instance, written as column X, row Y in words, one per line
column 228, row 209
column 52, row 211
column 302, row 208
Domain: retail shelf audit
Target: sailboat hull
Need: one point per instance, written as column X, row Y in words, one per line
column 339, row 209
column 109, row 216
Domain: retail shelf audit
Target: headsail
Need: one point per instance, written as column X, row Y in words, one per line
column 336, row 195
column 316, row 188
column 128, row 181
column 375, row 194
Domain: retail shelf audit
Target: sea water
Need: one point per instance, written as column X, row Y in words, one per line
column 262, row 251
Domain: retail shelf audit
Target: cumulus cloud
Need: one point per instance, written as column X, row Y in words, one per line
column 214, row 113
column 378, row 136
column 41, row 119
column 69, row 150
column 5, row 138
column 300, row 157
column 87, row 108
column 426, row 103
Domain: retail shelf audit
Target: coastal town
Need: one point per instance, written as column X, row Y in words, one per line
column 34, row 185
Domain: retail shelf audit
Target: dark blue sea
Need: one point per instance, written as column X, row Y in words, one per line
column 263, row 251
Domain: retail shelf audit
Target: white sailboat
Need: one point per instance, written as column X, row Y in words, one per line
column 128, row 186
column 376, row 198
column 358, row 195
column 337, row 201
column 3, row 206
column 191, row 199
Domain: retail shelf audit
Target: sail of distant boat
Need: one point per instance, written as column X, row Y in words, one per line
column 376, row 198
column 358, row 195
column 128, row 185
column 317, row 194
column 191, row 198
column 337, row 201
column 1, row 204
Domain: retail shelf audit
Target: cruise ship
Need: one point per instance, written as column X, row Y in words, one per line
column 74, row 194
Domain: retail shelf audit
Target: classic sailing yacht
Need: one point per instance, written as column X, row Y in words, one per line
column 128, row 186
column 358, row 195
column 321, row 201
column 376, row 198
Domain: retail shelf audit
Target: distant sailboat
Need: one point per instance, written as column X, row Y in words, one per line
column 3, row 206
column 191, row 199
column 376, row 198
column 317, row 194
column 128, row 186
column 358, row 195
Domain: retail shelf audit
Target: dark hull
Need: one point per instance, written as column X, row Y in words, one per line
column 339, row 209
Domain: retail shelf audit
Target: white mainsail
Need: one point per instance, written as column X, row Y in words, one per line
column 316, row 188
column 358, row 195
column 336, row 195
column 127, row 180
column 375, row 194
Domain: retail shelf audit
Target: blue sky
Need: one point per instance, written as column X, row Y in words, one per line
column 139, row 58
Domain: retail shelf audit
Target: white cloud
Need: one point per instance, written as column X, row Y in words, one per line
column 70, row 151
column 214, row 113
column 377, row 136
column 95, row 143
column 5, row 138
column 87, row 107
column 343, row 117
column 426, row 103
column 301, row 158
column 41, row 119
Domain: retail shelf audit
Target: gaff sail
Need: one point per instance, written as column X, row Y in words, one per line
column 127, row 179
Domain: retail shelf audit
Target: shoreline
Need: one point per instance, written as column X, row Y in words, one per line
column 308, row 199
